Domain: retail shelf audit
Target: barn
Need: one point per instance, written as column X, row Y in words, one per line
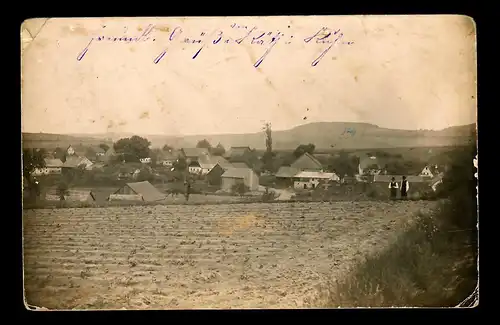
column 233, row 176
column 138, row 191
column 311, row 179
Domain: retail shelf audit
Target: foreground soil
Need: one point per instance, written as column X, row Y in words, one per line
column 211, row 256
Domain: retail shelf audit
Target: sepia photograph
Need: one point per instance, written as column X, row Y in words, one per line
column 253, row 162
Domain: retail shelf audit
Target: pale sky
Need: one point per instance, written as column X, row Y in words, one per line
column 405, row 72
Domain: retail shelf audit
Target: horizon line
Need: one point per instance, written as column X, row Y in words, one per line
column 218, row 134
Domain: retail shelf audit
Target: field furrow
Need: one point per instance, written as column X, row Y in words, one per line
column 188, row 256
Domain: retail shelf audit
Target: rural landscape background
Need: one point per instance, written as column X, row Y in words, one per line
column 275, row 219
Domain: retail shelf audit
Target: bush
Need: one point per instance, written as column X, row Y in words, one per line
column 268, row 195
column 239, row 188
column 432, row 264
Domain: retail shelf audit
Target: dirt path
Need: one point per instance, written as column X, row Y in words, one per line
column 212, row 256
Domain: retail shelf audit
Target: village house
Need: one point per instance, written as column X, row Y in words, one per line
column 233, row 176
column 429, row 171
column 307, row 162
column 194, row 167
column 237, row 152
column 76, row 150
column 312, row 179
column 193, row 154
column 77, row 162
column 138, row 191
column 166, row 158
column 107, row 156
column 52, row 166
column 94, row 153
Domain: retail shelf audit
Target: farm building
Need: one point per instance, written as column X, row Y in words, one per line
column 311, row 179
column 234, row 176
column 52, row 166
column 194, row 167
column 285, row 175
column 139, row 191
column 307, row 162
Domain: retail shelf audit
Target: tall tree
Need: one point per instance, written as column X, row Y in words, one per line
column 133, row 148
column 303, row 148
column 219, row 150
column 268, row 156
column 343, row 165
column 204, row 144
column 104, row 146
column 60, row 154
column 167, row 148
column 269, row 137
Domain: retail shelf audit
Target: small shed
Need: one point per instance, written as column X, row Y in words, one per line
column 138, row 191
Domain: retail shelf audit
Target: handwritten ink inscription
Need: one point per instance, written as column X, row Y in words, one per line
column 249, row 34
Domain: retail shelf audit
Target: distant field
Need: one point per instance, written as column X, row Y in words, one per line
column 211, row 256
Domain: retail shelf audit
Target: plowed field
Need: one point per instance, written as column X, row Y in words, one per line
column 211, row 256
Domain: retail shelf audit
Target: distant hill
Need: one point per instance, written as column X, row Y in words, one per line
column 52, row 141
column 325, row 135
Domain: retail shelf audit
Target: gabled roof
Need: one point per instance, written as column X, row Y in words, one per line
column 215, row 168
column 194, row 163
column 237, row 151
column 101, row 194
column 194, row 152
column 311, row 174
column 210, row 161
column 74, row 161
column 147, row 190
column 165, row 155
column 237, row 173
column 287, row 172
column 55, row 163
column 239, row 165
column 306, row 161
